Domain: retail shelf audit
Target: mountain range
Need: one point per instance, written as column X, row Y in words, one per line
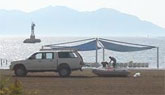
column 63, row 21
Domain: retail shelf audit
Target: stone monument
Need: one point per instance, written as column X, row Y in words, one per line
column 32, row 36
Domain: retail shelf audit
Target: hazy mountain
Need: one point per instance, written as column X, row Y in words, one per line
column 63, row 21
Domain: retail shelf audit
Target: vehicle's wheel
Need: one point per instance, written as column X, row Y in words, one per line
column 64, row 71
column 20, row 71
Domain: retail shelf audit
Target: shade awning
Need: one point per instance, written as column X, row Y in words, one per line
column 82, row 47
column 106, row 44
column 123, row 48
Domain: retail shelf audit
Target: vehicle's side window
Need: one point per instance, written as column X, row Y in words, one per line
column 38, row 56
column 49, row 55
column 72, row 55
column 67, row 55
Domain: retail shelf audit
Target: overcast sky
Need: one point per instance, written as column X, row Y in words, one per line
column 150, row 10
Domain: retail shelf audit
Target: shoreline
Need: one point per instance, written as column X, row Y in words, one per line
column 88, row 68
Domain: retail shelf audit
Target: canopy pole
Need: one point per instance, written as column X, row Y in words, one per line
column 96, row 50
column 103, row 54
column 157, row 57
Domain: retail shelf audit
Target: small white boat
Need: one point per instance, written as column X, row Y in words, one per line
column 110, row 72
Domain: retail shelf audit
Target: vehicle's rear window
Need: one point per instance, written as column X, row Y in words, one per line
column 67, row 55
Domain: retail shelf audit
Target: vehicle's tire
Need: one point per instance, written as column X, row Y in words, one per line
column 64, row 71
column 20, row 71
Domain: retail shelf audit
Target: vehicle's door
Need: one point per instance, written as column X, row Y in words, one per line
column 41, row 61
column 70, row 58
column 34, row 62
column 50, row 61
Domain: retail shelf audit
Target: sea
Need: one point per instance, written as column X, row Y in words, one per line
column 13, row 48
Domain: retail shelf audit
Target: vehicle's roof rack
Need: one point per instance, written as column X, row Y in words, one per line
column 58, row 48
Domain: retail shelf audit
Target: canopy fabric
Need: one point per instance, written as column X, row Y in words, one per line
column 123, row 48
column 82, row 47
column 106, row 44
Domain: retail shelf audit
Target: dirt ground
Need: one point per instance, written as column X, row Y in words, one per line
column 152, row 82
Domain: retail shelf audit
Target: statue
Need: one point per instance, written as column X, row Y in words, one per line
column 32, row 36
column 32, row 31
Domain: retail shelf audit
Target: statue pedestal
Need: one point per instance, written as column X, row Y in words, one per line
column 32, row 37
column 32, row 40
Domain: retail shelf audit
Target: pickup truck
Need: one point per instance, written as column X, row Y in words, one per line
column 61, row 61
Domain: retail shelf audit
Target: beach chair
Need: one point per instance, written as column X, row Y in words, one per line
column 146, row 65
column 138, row 65
column 143, row 65
column 125, row 65
column 130, row 65
column 121, row 65
column 134, row 65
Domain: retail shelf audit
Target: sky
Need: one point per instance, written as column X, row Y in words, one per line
column 149, row 10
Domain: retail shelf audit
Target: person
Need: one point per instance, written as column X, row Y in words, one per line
column 113, row 61
column 104, row 64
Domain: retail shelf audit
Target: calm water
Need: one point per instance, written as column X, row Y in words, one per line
column 14, row 49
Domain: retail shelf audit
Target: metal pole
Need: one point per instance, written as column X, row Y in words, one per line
column 1, row 62
column 96, row 50
column 103, row 54
column 6, row 62
column 157, row 57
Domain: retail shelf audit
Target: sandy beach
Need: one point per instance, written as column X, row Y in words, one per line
column 151, row 82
